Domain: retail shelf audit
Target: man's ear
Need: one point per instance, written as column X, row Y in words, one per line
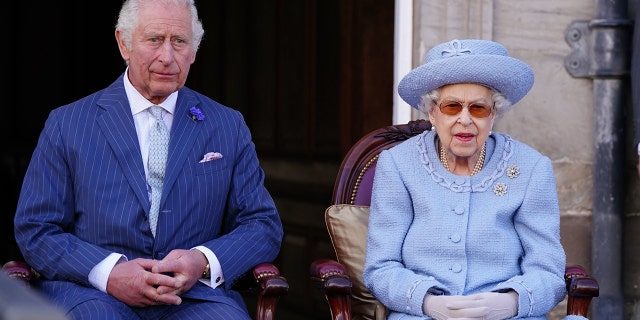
column 124, row 51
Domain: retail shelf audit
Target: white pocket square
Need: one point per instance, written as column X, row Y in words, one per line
column 211, row 156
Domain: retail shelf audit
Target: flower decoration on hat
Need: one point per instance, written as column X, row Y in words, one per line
column 455, row 49
column 196, row 114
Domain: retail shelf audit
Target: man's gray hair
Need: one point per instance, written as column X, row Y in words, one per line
column 129, row 13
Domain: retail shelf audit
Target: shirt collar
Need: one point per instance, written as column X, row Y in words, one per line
column 139, row 103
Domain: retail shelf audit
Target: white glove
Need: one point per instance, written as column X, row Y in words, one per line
column 437, row 306
column 486, row 305
column 441, row 307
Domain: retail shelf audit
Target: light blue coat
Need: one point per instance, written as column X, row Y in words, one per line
column 498, row 229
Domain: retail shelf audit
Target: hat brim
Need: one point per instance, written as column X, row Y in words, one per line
column 509, row 76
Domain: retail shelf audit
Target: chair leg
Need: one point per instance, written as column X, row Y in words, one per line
column 340, row 306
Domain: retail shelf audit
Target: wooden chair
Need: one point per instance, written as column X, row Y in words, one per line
column 264, row 281
column 346, row 219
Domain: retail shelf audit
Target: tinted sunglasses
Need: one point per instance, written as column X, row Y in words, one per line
column 476, row 110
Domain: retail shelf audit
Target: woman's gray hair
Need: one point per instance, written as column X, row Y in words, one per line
column 128, row 20
column 430, row 100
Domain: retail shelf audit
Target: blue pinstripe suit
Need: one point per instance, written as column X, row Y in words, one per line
column 85, row 196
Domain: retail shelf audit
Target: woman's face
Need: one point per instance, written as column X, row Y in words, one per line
column 463, row 133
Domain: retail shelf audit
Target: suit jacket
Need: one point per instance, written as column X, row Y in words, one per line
column 85, row 196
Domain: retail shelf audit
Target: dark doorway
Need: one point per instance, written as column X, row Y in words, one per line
column 310, row 77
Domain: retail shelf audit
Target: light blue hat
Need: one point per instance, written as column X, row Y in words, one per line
column 468, row 61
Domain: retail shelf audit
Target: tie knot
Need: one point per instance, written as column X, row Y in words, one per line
column 156, row 111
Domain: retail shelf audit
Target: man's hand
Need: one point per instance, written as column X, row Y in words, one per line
column 186, row 267
column 132, row 283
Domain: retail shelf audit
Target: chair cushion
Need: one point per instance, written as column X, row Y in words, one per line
column 347, row 225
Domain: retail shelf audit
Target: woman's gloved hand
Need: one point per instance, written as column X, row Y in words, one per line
column 485, row 305
column 437, row 306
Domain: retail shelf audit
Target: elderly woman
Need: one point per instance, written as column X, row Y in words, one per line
column 464, row 220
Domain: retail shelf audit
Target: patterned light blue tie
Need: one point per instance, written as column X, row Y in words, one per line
column 158, row 150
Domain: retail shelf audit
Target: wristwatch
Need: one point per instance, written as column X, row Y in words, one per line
column 206, row 274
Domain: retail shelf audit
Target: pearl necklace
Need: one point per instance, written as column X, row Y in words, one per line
column 476, row 168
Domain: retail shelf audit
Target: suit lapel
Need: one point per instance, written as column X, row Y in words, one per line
column 184, row 132
column 116, row 122
column 117, row 125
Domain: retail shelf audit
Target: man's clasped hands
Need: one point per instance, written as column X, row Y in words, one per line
column 145, row 282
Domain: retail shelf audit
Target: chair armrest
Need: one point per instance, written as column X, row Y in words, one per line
column 21, row 271
column 581, row 288
column 266, row 282
column 332, row 279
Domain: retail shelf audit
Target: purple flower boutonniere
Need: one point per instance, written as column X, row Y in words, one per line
column 196, row 114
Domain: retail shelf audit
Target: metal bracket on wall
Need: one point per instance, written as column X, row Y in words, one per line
column 600, row 48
